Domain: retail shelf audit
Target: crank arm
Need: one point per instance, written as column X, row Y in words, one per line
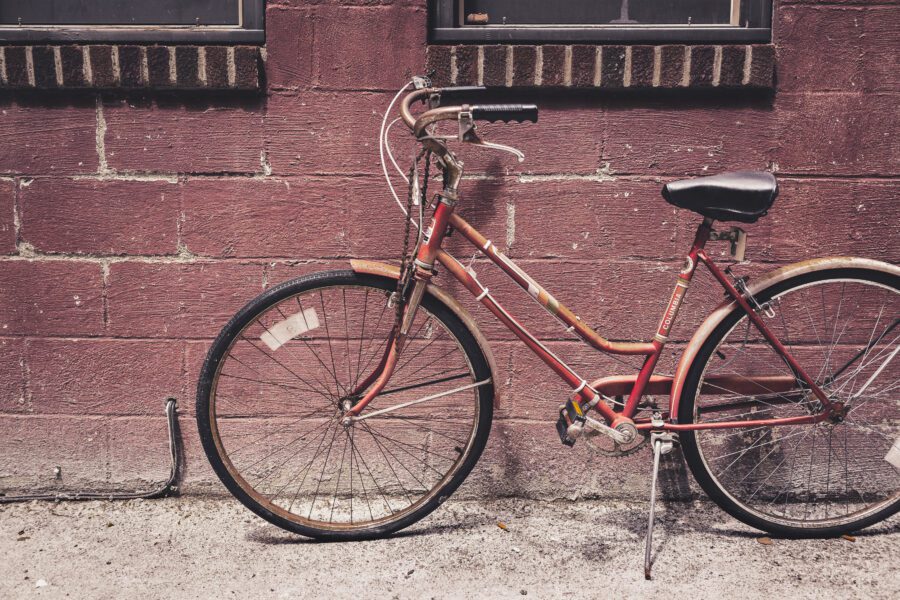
column 606, row 430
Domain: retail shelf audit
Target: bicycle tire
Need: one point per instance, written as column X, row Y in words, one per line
column 209, row 436
column 692, row 441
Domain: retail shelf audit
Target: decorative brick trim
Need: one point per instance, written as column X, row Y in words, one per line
column 102, row 66
column 606, row 67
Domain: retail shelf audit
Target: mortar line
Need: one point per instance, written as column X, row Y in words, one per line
column 480, row 65
column 17, row 218
column 145, row 66
column 29, row 65
column 201, row 65
column 173, row 68
column 232, row 69
column 114, row 59
column 717, row 66
column 87, row 68
column 100, row 138
column 657, row 65
column 57, row 66
column 626, row 76
column 454, row 68
column 104, row 291
column 748, row 63
column 510, row 224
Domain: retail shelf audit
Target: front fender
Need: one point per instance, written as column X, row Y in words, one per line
column 771, row 278
column 371, row 267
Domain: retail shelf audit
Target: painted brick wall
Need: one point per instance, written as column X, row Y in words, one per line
column 132, row 227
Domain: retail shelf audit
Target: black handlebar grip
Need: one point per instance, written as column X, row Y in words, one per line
column 461, row 90
column 505, row 112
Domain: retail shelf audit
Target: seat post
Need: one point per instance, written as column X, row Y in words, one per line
column 704, row 230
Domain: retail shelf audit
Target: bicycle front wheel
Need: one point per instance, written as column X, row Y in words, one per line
column 280, row 376
column 812, row 480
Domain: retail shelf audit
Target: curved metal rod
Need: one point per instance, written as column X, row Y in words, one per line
column 167, row 488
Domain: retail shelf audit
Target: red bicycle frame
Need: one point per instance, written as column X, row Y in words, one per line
column 590, row 395
column 431, row 251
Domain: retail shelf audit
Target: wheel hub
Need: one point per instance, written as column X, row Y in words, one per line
column 838, row 412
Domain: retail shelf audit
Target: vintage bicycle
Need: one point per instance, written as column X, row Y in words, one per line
column 349, row 404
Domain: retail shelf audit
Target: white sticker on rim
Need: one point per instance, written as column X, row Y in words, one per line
column 280, row 333
column 893, row 455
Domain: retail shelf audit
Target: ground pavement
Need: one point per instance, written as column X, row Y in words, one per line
column 195, row 547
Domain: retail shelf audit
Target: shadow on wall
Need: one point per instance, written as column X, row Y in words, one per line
column 184, row 99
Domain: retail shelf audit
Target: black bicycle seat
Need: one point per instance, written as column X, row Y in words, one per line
column 743, row 196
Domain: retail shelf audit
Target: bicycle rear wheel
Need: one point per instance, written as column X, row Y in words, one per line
column 279, row 377
column 812, row 480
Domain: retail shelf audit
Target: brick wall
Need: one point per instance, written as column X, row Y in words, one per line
column 133, row 226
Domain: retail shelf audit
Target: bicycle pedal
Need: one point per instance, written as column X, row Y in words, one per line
column 570, row 423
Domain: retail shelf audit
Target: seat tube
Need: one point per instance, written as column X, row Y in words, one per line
column 682, row 282
column 668, row 318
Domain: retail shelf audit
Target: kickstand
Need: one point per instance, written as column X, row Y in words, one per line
column 663, row 442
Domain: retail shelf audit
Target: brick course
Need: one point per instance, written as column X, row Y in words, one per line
column 123, row 66
column 133, row 226
column 620, row 67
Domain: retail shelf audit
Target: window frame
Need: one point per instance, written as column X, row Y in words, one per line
column 251, row 30
column 444, row 28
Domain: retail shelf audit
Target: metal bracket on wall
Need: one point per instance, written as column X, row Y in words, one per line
column 167, row 488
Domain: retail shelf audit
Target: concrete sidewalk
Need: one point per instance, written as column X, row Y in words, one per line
column 199, row 548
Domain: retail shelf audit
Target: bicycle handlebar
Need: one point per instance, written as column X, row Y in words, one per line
column 505, row 112
column 461, row 90
column 486, row 112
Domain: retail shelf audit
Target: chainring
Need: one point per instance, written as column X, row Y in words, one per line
column 604, row 444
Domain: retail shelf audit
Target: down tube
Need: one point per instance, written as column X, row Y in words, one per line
column 482, row 295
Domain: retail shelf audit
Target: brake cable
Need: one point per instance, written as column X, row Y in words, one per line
column 405, row 258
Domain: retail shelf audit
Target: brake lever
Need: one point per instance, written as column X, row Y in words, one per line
column 468, row 133
column 502, row 147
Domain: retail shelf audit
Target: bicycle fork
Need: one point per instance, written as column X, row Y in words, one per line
column 378, row 379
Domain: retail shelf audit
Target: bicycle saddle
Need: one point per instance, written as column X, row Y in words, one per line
column 740, row 196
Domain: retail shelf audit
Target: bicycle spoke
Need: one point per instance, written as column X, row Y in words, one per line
column 420, row 385
column 362, row 335
column 843, row 331
column 281, row 415
column 279, row 363
column 312, row 504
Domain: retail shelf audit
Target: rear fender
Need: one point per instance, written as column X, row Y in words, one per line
column 769, row 279
column 371, row 267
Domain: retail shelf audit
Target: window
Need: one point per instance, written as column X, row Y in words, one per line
column 643, row 21
column 239, row 21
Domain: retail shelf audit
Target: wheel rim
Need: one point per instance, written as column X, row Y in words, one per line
column 278, row 395
column 810, row 476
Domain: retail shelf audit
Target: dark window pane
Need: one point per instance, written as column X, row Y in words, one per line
column 603, row 12
column 120, row 12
